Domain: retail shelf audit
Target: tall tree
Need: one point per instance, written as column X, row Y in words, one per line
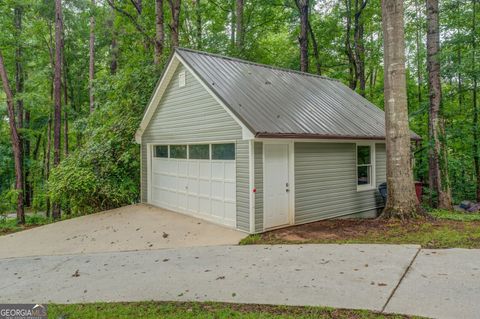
column 15, row 138
column 113, row 42
column 401, row 199
column 240, row 27
column 316, row 53
column 91, row 68
column 438, row 167
column 303, row 9
column 352, row 62
column 476, row 155
column 23, row 115
column 198, row 22
column 175, row 6
column 159, row 31
column 57, row 94
column 359, row 44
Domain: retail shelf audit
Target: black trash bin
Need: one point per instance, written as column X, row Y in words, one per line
column 382, row 189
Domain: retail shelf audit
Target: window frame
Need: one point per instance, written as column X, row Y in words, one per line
column 372, row 185
column 159, row 145
column 222, row 143
column 200, row 159
column 178, row 158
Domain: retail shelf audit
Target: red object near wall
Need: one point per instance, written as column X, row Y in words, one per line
column 419, row 190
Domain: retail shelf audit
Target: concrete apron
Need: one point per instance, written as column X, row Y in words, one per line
column 345, row 276
column 443, row 283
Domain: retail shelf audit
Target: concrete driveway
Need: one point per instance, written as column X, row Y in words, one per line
column 135, row 227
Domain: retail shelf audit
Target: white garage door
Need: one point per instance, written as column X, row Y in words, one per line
column 196, row 179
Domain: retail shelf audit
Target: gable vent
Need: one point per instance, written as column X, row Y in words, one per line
column 181, row 79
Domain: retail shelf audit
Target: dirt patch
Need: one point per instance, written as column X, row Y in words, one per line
column 428, row 233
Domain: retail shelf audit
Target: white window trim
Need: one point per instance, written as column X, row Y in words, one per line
column 373, row 183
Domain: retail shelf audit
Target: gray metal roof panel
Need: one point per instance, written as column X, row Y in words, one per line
column 285, row 103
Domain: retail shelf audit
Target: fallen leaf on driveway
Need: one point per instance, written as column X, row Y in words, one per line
column 165, row 235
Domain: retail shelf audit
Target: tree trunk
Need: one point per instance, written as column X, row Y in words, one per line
column 175, row 21
column 358, row 43
column 239, row 27
column 47, row 161
column 91, row 68
column 57, row 94
column 419, row 63
column 476, row 159
column 23, row 116
column 401, row 199
column 16, row 144
column 316, row 54
column 199, row 27
column 438, row 167
column 303, row 7
column 113, row 43
column 352, row 66
column 159, row 31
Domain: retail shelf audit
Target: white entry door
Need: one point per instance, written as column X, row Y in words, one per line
column 276, row 185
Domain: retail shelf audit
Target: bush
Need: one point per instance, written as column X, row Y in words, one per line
column 104, row 172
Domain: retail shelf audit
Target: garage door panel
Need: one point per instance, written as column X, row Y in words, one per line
column 217, row 190
column 229, row 192
column 204, row 205
column 218, row 170
column 205, row 188
column 193, row 169
column 230, row 211
column 218, row 208
column 193, row 186
column 205, row 169
column 230, row 173
column 182, row 168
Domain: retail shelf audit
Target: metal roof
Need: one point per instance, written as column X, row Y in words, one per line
column 275, row 102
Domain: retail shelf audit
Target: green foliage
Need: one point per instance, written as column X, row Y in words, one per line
column 10, row 225
column 102, row 168
column 103, row 172
column 458, row 216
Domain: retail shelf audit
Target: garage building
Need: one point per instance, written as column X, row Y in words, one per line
column 255, row 147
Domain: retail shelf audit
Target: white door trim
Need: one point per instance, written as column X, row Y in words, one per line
column 291, row 180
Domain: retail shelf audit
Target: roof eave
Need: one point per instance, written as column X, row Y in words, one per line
column 324, row 136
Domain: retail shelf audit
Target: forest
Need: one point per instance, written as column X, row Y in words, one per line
column 81, row 73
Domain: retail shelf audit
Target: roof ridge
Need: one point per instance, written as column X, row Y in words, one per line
column 255, row 63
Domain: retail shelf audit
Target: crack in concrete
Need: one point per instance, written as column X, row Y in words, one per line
column 400, row 281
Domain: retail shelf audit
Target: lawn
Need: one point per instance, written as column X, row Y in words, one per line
column 173, row 310
column 445, row 230
column 8, row 226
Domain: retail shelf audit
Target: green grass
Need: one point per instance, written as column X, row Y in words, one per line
column 458, row 216
column 8, row 226
column 174, row 310
column 448, row 230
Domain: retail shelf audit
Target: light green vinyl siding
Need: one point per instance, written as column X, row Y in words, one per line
column 186, row 115
column 325, row 182
column 381, row 163
column 243, row 199
column 258, row 178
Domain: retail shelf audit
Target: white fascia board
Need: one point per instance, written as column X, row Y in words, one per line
column 157, row 96
column 247, row 134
